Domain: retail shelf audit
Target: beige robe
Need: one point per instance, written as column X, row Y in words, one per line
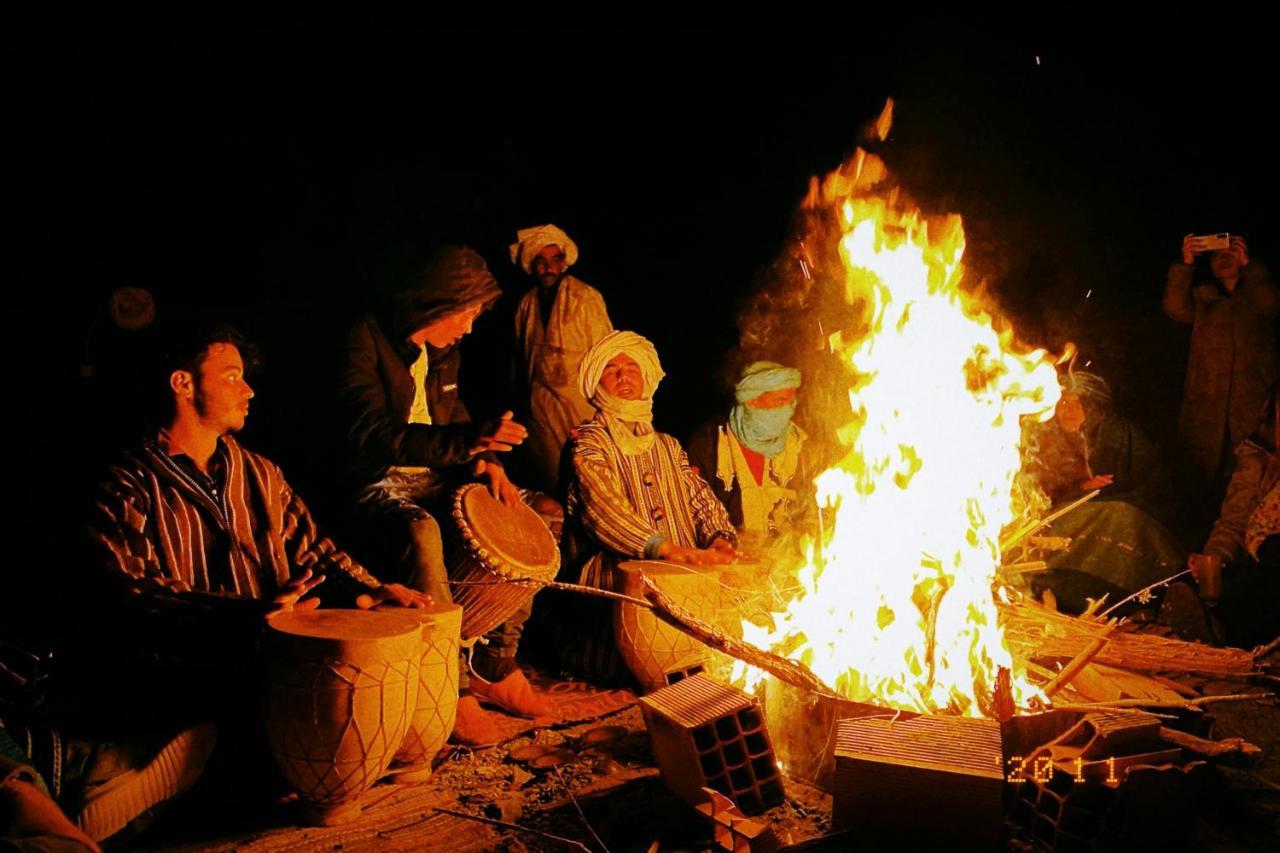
column 548, row 364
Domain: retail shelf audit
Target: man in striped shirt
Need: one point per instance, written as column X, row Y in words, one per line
column 632, row 494
column 192, row 511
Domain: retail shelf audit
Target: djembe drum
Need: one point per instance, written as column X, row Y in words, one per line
column 496, row 542
column 340, row 688
column 650, row 647
column 437, row 707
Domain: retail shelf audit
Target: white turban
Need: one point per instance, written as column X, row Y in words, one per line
column 530, row 241
column 630, row 422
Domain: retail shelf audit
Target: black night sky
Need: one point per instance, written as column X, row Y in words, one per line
column 282, row 173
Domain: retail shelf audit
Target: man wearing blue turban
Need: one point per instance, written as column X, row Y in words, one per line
column 752, row 457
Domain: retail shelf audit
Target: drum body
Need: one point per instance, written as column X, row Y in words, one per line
column 496, row 542
column 437, row 704
column 340, row 689
column 651, row 647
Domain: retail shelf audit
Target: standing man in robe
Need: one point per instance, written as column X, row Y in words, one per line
column 557, row 321
column 754, row 458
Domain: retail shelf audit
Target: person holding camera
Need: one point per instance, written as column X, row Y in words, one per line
column 1232, row 365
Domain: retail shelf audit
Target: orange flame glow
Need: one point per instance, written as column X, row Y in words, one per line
column 897, row 604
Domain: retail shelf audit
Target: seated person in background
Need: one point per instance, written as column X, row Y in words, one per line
column 754, row 457
column 1118, row 543
column 1242, row 553
column 632, row 494
column 413, row 444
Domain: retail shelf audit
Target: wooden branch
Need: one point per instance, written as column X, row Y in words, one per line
column 577, row 845
column 1032, row 527
column 1079, row 662
column 792, row 672
column 1211, row 748
column 1190, row 704
column 1267, row 649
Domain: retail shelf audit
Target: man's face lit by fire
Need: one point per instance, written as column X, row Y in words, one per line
column 548, row 266
column 1070, row 413
column 218, row 390
column 623, row 378
column 447, row 330
column 773, row 399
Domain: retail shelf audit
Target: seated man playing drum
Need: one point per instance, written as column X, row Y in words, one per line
column 204, row 537
column 413, row 444
column 632, row 493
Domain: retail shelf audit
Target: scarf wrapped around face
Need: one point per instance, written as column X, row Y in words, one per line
column 530, row 241
column 763, row 430
column 630, row 422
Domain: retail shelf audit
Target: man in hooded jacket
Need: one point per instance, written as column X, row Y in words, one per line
column 414, row 443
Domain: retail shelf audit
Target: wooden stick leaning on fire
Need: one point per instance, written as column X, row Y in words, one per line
column 1032, row 632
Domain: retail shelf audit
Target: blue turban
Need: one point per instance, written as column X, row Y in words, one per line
column 763, row 430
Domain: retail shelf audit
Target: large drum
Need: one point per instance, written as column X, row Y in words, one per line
column 340, row 690
column 651, row 647
column 437, row 707
column 496, row 542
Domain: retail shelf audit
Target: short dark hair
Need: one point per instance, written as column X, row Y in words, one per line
column 187, row 347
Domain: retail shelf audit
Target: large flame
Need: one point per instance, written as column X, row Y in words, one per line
column 896, row 605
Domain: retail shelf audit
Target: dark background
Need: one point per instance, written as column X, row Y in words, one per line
column 282, row 173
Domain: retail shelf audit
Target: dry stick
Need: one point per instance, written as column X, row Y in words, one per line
column 1024, row 568
column 502, row 823
column 1033, row 527
column 1190, row 704
column 1146, row 589
column 792, row 672
column 1208, row 747
column 1267, row 649
column 931, row 631
column 581, row 813
column 1077, row 663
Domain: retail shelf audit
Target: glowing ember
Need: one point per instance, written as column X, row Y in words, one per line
column 897, row 604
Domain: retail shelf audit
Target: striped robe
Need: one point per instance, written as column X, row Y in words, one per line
column 622, row 507
column 159, row 529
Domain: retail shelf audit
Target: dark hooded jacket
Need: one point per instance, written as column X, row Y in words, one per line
column 377, row 387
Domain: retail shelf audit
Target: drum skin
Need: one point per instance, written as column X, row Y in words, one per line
column 437, row 705
column 340, row 688
column 650, row 647
column 496, row 542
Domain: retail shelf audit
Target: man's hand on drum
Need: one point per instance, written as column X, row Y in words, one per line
column 724, row 546
column 500, row 435
column 393, row 593
column 500, row 486
column 291, row 593
column 712, row 556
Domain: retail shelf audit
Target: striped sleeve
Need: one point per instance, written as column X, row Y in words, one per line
column 606, row 513
column 308, row 548
column 709, row 515
column 119, row 530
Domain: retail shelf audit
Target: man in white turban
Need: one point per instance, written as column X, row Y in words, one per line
column 632, row 493
column 556, row 322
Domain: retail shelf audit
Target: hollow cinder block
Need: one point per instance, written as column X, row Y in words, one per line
column 708, row 735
